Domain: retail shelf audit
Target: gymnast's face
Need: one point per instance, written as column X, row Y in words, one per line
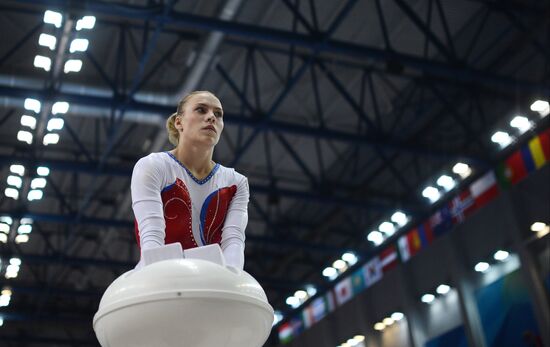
column 202, row 119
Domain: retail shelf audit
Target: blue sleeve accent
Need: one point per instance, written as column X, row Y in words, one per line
column 204, row 209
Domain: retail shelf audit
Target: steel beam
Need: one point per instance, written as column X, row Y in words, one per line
column 313, row 43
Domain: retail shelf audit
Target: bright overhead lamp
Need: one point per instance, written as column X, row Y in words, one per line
column 379, row 326
column 24, row 229
column 17, row 169
column 11, row 193
column 481, row 267
column 541, row 106
column 501, row 255
column 55, row 124
column 38, row 183
column 55, row 18
column 28, row 121
column 22, row 238
column 311, row 290
column 24, row 136
column 86, row 22
column 4, row 228
column 72, row 65
column 375, row 237
column 427, row 298
column 300, row 295
column 359, row 338
column 399, row 218
column 442, row 289
column 463, row 170
column 431, row 193
column 388, row 321
column 397, row 316
column 340, row 265
column 50, row 139
column 292, row 301
column 538, row 226
column 26, row 220
column 330, row 272
column 502, row 138
column 47, row 41
column 79, row 45
column 35, row 194
column 3, row 238
column 6, row 220
column 32, row 105
column 15, row 262
column 42, row 171
column 349, row 258
column 387, row 228
column 60, row 107
column 5, row 299
column 447, row 182
column 42, row 62
column 521, row 123
column 15, row 181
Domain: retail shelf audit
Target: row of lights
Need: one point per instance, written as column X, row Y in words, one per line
column 301, row 296
column 442, row 289
column 5, row 297
column 499, row 255
column 521, row 123
column 56, row 123
column 12, row 270
column 340, row 266
column 446, row 182
column 388, row 321
column 15, row 182
column 23, row 230
column 50, row 41
column 388, row 228
column 356, row 341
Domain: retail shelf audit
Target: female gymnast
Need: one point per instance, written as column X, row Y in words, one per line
column 182, row 195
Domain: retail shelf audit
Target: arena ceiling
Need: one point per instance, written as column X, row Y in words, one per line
column 338, row 112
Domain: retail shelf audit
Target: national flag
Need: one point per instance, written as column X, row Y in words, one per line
column 373, row 271
column 285, row 333
column 484, row 189
column 512, row 170
column 307, row 316
column 319, row 309
column 544, row 139
column 358, row 281
column 537, row 150
column 426, row 235
column 343, row 291
column 441, row 221
column 404, row 247
column 297, row 326
column 388, row 258
column 461, row 206
column 329, row 302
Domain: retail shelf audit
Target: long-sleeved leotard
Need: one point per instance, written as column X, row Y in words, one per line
column 171, row 205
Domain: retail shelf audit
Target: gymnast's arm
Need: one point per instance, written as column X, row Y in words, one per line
column 233, row 235
column 147, row 204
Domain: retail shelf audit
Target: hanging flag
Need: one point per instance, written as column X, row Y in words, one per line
column 330, row 303
column 373, row 271
column 297, row 326
column 404, row 248
column 484, row 189
column 388, row 258
column 544, row 139
column 358, row 281
column 307, row 316
column 285, row 333
column 537, row 152
column 461, row 206
column 343, row 291
column 512, row 170
column 319, row 309
column 426, row 235
column 441, row 221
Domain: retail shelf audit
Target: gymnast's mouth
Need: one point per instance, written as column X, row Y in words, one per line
column 210, row 127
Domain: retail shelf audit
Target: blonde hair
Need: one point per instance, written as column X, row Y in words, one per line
column 173, row 134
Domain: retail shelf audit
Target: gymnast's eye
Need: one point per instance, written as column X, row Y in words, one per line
column 218, row 114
